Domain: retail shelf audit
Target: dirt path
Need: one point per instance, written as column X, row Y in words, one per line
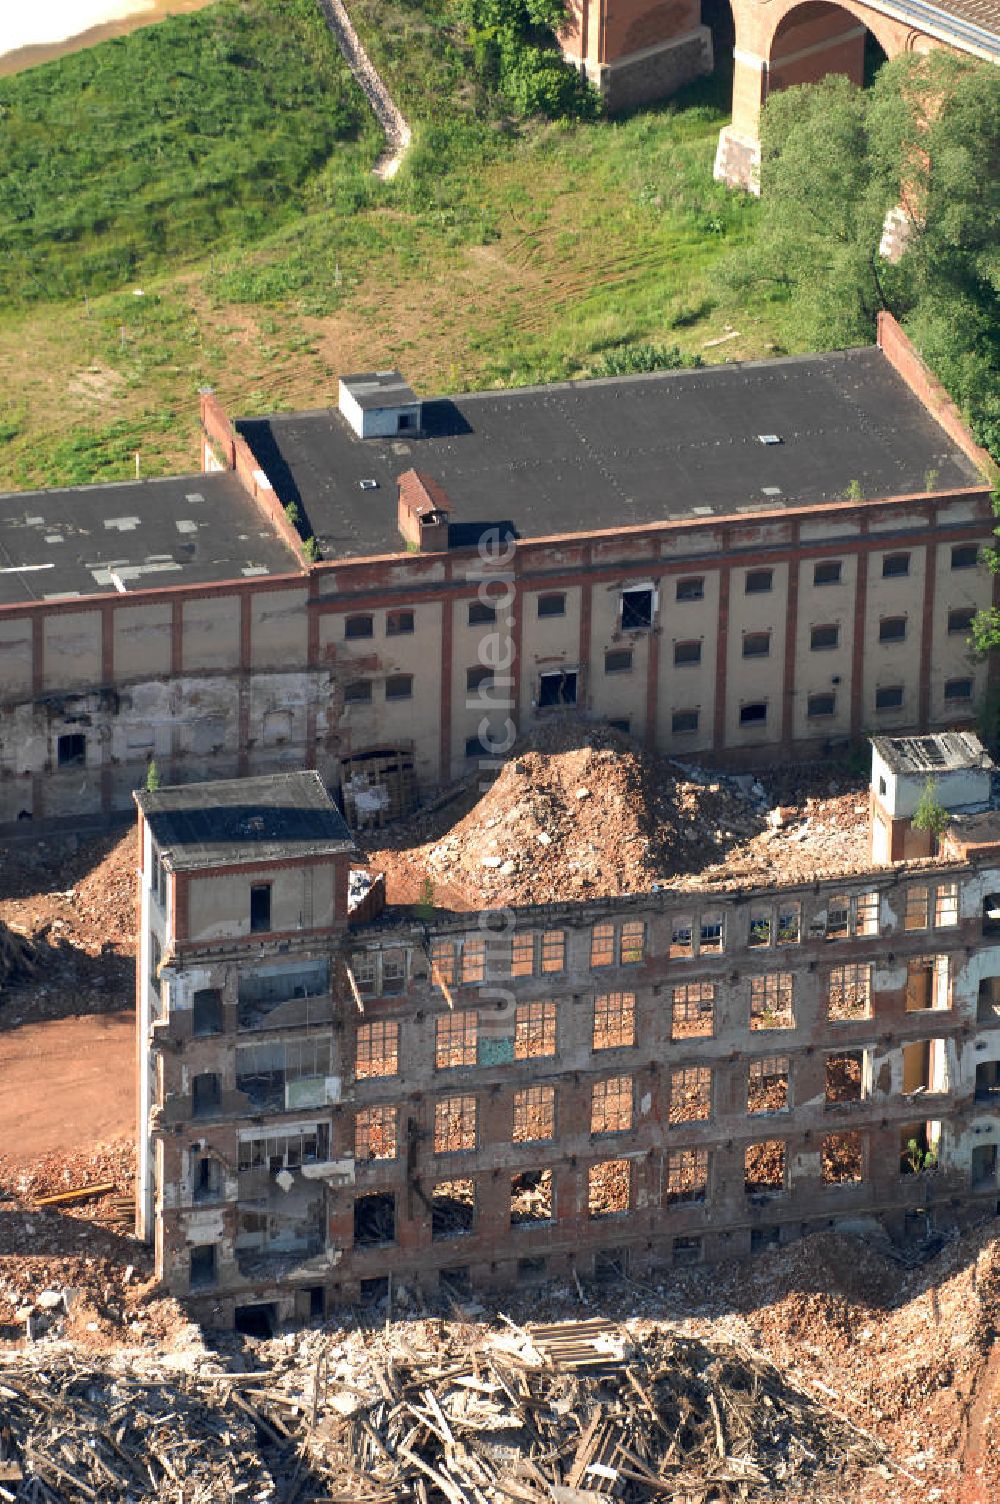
column 980, row 1480
column 386, row 111
column 67, row 1085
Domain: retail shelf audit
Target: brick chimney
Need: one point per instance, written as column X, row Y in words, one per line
column 424, row 512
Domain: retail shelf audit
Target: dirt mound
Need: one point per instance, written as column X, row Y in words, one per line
column 582, row 811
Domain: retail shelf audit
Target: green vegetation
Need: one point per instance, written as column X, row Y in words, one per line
column 149, row 150
column 152, row 778
column 834, row 160
column 516, row 52
column 930, row 814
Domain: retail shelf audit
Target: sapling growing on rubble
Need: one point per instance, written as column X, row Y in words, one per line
column 152, row 778
column 930, row 814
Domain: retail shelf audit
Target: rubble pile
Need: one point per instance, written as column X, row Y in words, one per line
column 428, row 1412
column 581, row 811
column 69, row 903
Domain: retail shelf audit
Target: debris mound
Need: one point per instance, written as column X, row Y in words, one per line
column 582, row 811
column 433, row 1413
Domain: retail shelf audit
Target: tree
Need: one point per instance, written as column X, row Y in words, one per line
column 152, row 777
column 834, row 160
column 930, row 814
column 515, row 48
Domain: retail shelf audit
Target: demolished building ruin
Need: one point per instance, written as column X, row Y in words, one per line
column 334, row 1097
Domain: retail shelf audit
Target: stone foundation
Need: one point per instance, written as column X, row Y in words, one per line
column 737, row 161
column 654, row 72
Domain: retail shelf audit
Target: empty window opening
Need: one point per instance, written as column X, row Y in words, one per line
column 260, row 907
column 763, row 1238
column 983, row 1167
column 359, row 626
column 850, row 993
column 456, row 1038
column 767, row 1084
column 758, row 581
column 889, row 697
column 374, row 1220
column 691, row 589
column 916, row 915
column 760, row 927
column 614, row 1020
column 376, row 1133
column 534, row 1114
column 453, row 1209
column 374, row 1291
column 681, row 936
column 399, row 687
column 637, row 609
column 399, row 623
column 892, row 629
column 531, row 1198
column 618, row 661
column 918, row 1143
column 522, row 955
column 710, row 934
column 821, row 705
column 866, row 907
column 207, row 1011
column 964, row 555
column 789, row 930
column 988, row 1002
column 686, row 1251
column 988, row 1081
column 690, row 1095
column 946, row 905
column 602, row 942
column 764, row 1167
column 841, row 1158
column 557, row 689
column 633, row 942
column 928, row 983
column 287, row 1151
column 686, row 1176
column 71, row 750
column 455, row 1121
column 611, row 1265
column 895, row 565
column 682, row 721
column 825, row 637
column 611, row 1105
column 756, row 644
column 534, row 1030
column 827, row 572
column 686, row 653
column 551, row 605
column 377, row 1050
column 204, row 1265
column 478, row 679
column 532, row 1269
column 960, row 620
column 207, row 1179
column 609, row 1188
column 958, row 689
column 692, row 1014
column 443, row 962
column 206, row 1094
column 771, row 1001
column 753, row 714
column 481, row 614
column 473, row 961
column 925, row 1066
column 991, row 914
column 848, row 1077
column 277, row 996
column 285, row 1073
column 553, row 951
column 621, row 724
column 257, row 1320
column 838, row 917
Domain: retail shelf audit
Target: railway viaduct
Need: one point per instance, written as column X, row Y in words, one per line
column 636, row 51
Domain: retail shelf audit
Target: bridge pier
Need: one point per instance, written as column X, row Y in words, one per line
column 636, row 52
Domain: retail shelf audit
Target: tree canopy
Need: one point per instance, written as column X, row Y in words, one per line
column 834, row 160
column 516, row 52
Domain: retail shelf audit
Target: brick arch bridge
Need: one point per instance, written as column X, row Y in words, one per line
column 636, row 51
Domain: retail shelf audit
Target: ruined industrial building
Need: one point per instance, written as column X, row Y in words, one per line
column 338, row 1091
column 740, row 563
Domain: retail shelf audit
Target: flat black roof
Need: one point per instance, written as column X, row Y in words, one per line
column 582, row 456
column 137, row 535
column 239, row 821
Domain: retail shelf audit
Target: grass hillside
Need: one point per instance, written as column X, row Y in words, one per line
column 220, row 162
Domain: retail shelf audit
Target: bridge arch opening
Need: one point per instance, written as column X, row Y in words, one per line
column 798, row 42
